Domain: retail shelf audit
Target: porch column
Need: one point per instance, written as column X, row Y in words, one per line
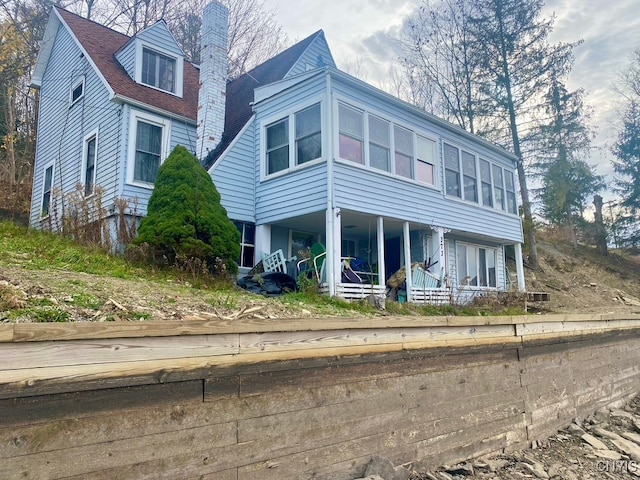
column 332, row 224
column 337, row 250
column 407, row 258
column 519, row 267
column 262, row 242
column 382, row 276
column 440, row 250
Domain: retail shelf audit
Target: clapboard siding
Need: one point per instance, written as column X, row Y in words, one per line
column 62, row 141
column 159, row 36
column 299, row 193
column 360, row 189
column 317, row 55
column 127, row 58
column 234, row 173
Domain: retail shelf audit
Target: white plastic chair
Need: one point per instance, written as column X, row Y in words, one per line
column 275, row 262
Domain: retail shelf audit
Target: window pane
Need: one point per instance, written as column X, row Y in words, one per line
column 278, row 159
column 461, row 260
column 308, row 121
column 472, row 266
column 470, row 178
column 249, row 233
column 379, row 131
column 77, row 92
column 451, row 157
column 379, row 144
column 498, row 189
column 350, row 121
column 485, row 177
column 278, row 134
column 452, row 180
column 48, row 178
column 491, row 267
column 166, row 69
column 309, row 148
column 403, row 165
column 404, row 141
column 425, row 172
column 46, row 194
column 351, row 149
column 379, row 157
column 149, row 67
column 426, row 150
column 90, row 167
column 247, row 255
column 482, row 267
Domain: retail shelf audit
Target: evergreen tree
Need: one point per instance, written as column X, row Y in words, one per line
column 567, row 180
column 185, row 217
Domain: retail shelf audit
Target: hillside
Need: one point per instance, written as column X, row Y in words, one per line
column 45, row 278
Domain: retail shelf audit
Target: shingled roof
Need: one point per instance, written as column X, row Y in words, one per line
column 102, row 43
column 240, row 91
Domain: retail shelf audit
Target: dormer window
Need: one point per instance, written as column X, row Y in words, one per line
column 158, row 70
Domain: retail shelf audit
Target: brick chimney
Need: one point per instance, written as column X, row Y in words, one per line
column 213, row 77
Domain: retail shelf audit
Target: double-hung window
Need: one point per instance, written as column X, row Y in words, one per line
column 485, row 182
column 498, row 188
column 476, row 266
column 278, row 146
column 308, row 134
column 148, row 146
column 379, row 143
column 351, row 134
column 452, row 170
column 510, row 188
column 89, row 163
column 294, row 140
column 404, row 151
column 158, row 70
column 426, row 162
column 46, row 191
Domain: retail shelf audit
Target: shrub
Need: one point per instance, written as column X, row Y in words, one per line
column 185, row 218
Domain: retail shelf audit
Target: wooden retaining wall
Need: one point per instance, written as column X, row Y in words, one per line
column 300, row 399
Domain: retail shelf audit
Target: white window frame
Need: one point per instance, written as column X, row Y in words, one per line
column 140, row 116
column 477, row 249
column 83, row 174
column 74, row 86
column 290, row 115
column 50, row 165
column 393, row 123
column 179, row 64
column 241, row 226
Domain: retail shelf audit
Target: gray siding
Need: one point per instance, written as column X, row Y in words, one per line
column 159, row 36
column 316, row 55
column 127, row 58
column 369, row 192
column 62, row 127
column 234, row 175
column 287, row 196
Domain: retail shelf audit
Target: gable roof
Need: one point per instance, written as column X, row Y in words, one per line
column 238, row 108
column 100, row 44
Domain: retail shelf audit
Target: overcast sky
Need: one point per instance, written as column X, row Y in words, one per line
column 357, row 30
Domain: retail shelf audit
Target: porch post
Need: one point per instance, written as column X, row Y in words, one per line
column 440, row 246
column 328, row 261
column 337, row 250
column 519, row 267
column 382, row 277
column 407, row 258
column 263, row 242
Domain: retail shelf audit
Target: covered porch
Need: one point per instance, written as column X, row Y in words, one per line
column 364, row 255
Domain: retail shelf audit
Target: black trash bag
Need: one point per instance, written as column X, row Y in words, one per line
column 268, row 283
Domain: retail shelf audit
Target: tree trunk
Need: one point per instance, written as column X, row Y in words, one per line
column 601, row 235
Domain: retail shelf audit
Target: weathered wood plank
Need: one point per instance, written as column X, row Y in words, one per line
column 76, row 405
column 84, row 352
column 6, row 332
